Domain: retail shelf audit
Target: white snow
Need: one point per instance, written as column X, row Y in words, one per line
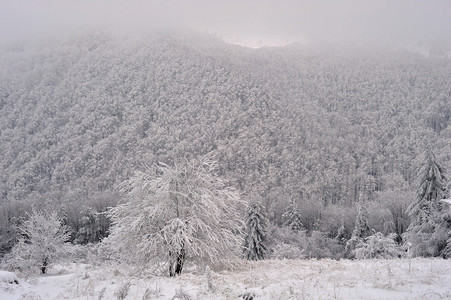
column 8, row 277
column 447, row 202
column 272, row 279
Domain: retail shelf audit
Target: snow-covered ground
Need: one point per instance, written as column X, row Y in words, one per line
column 288, row 279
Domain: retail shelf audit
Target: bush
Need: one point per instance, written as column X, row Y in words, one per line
column 283, row 243
column 318, row 245
column 122, row 291
column 379, row 246
column 287, row 251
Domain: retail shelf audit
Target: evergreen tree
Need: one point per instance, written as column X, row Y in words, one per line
column 254, row 242
column 429, row 227
column 341, row 232
column 361, row 229
column 293, row 217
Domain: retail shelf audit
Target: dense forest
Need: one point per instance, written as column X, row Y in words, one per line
column 323, row 127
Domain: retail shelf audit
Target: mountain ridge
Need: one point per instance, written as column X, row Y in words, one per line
column 79, row 116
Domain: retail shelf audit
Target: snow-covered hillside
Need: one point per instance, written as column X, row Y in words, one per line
column 287, row 279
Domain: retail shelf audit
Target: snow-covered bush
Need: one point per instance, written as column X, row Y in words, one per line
column 318, row 245
column 172, row 214
column 43, row 241
column 181, row 295
column 281, row 235
column 396, row 202
column 152, row 292
column 101, row 293
column 379, row 246
column 287, row 251
column 338, row 222
column 8, row 277
column 208, row 275
column 284, row 243
column 94, row 254
column 122, row 291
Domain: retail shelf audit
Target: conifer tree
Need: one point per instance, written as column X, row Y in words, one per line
column 254, row 242
column 293, row 217
column 341, row 232
column 361, row 229
column 428, row 230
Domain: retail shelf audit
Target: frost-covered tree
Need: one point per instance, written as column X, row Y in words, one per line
column 429, row 229
column 379, row 246
column 361, row 229
column 341, row 232
column 175, row 213
column 43, row 241
column 255, row 235
column 293, row 217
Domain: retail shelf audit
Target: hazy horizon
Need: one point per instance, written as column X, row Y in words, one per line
column 253, row 22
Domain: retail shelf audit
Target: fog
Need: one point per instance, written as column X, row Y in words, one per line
column 266, row 21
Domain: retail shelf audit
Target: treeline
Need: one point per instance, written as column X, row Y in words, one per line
column 323, row 127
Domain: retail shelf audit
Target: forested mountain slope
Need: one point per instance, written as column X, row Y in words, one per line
column 324, row 125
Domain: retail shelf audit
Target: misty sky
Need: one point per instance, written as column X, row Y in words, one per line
column 267, row 20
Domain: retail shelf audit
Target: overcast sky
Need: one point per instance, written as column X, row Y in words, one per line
column 316, row 20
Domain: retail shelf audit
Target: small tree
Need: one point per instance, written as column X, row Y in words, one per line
column 255, row 236
column 172, row 214
column 429, row 229
column 341, row 233
column 293, row 217
column 42, row 242
column 361, row 229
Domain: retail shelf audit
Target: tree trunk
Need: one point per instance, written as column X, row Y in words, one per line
column 176, row 263
column 44, row 266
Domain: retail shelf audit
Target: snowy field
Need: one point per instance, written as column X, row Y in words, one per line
column 289, row 279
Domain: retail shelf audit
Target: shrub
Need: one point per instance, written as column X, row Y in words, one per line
column 379, row 246
column 287, row 251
